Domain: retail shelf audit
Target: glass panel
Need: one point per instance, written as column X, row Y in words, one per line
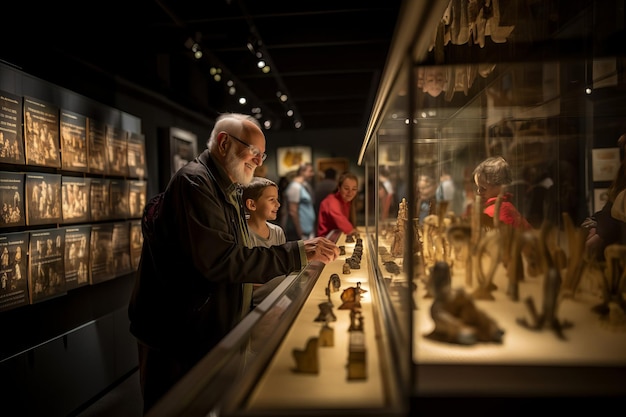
column 502, row 272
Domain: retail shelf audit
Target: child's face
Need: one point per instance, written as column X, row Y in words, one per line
column 348, row 189
column 485, row 190
column 267, row 205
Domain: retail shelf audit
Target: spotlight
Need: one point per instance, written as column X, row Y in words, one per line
column 265, row 69
column 260, row 64
column 242, row 100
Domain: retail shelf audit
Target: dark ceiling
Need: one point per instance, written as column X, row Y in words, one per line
column 327, row 56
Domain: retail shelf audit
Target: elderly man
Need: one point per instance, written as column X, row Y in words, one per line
column 197, row 266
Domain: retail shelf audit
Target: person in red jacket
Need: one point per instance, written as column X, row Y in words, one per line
column 491, row 177
column 336, row 210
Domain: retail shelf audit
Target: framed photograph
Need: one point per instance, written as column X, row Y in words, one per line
column 340, row 165
column 73, row 141
column 600, row 197
column 117, row 150
column 120, row 241
column 177, row 147
column 101, row 267
column 46, row 278
column 290, row 158
column 136, row 243
column 137, row 190
column 41, row 133
column 96, row 146
column 13, row 272
column 43, row 198
column 605, row 163
column 12, row 199
column 77, row 256
column 136, row 155
column 75, row 199
column 11, row 142
column 118, row 198
column 99, row 202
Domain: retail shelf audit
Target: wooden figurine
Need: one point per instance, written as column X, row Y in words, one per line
column 307, row 360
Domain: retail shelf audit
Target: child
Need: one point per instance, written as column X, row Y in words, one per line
column 491, row 177
column 260, row 198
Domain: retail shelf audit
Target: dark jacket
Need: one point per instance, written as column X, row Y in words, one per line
column 188, row 289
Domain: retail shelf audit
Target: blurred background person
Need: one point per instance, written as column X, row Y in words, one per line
column 387, row 194
column 426, row 196
column 337, row 210
column 325, row 186
column 605, row 227
column 301, row 205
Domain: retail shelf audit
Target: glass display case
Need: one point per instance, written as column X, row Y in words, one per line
column 487, row 267
column 318, row 344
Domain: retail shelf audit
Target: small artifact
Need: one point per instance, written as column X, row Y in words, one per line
column 327, row 336
column 342, row 250
column 354, row 263
column 392, row 267
column 326, row 312
column 356, row 320
column 349, row 239
column 357, row 365
column 346, row 268
column 307, row 360
column 334, row 283
column 548, row 318
column 351, row 297
column 457, row 319
column 614, row 283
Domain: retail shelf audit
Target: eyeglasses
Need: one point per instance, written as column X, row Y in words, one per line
column 254, row 151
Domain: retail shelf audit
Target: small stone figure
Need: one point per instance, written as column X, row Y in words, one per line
column 334, row 283
column 614, row 284
column 457, row 320
column 356, row 320
column 346, row 268
column 354, row 263
column 342, row 250
column 548, row 318
column 307, row 360
column 349, row 239
column 326, row 312
column 357, row 355
column 351, row 297
column 392, row 267
column 327, row 336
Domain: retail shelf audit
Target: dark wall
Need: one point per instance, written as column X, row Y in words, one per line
column 57, row 355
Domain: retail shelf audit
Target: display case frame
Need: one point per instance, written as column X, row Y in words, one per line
column 400, row 118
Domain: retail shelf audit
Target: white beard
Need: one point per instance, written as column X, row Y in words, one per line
column 237, row 169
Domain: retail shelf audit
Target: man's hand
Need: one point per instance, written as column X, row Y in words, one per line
column 320, row 249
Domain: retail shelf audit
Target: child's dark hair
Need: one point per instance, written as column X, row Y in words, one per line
column 255, row 188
